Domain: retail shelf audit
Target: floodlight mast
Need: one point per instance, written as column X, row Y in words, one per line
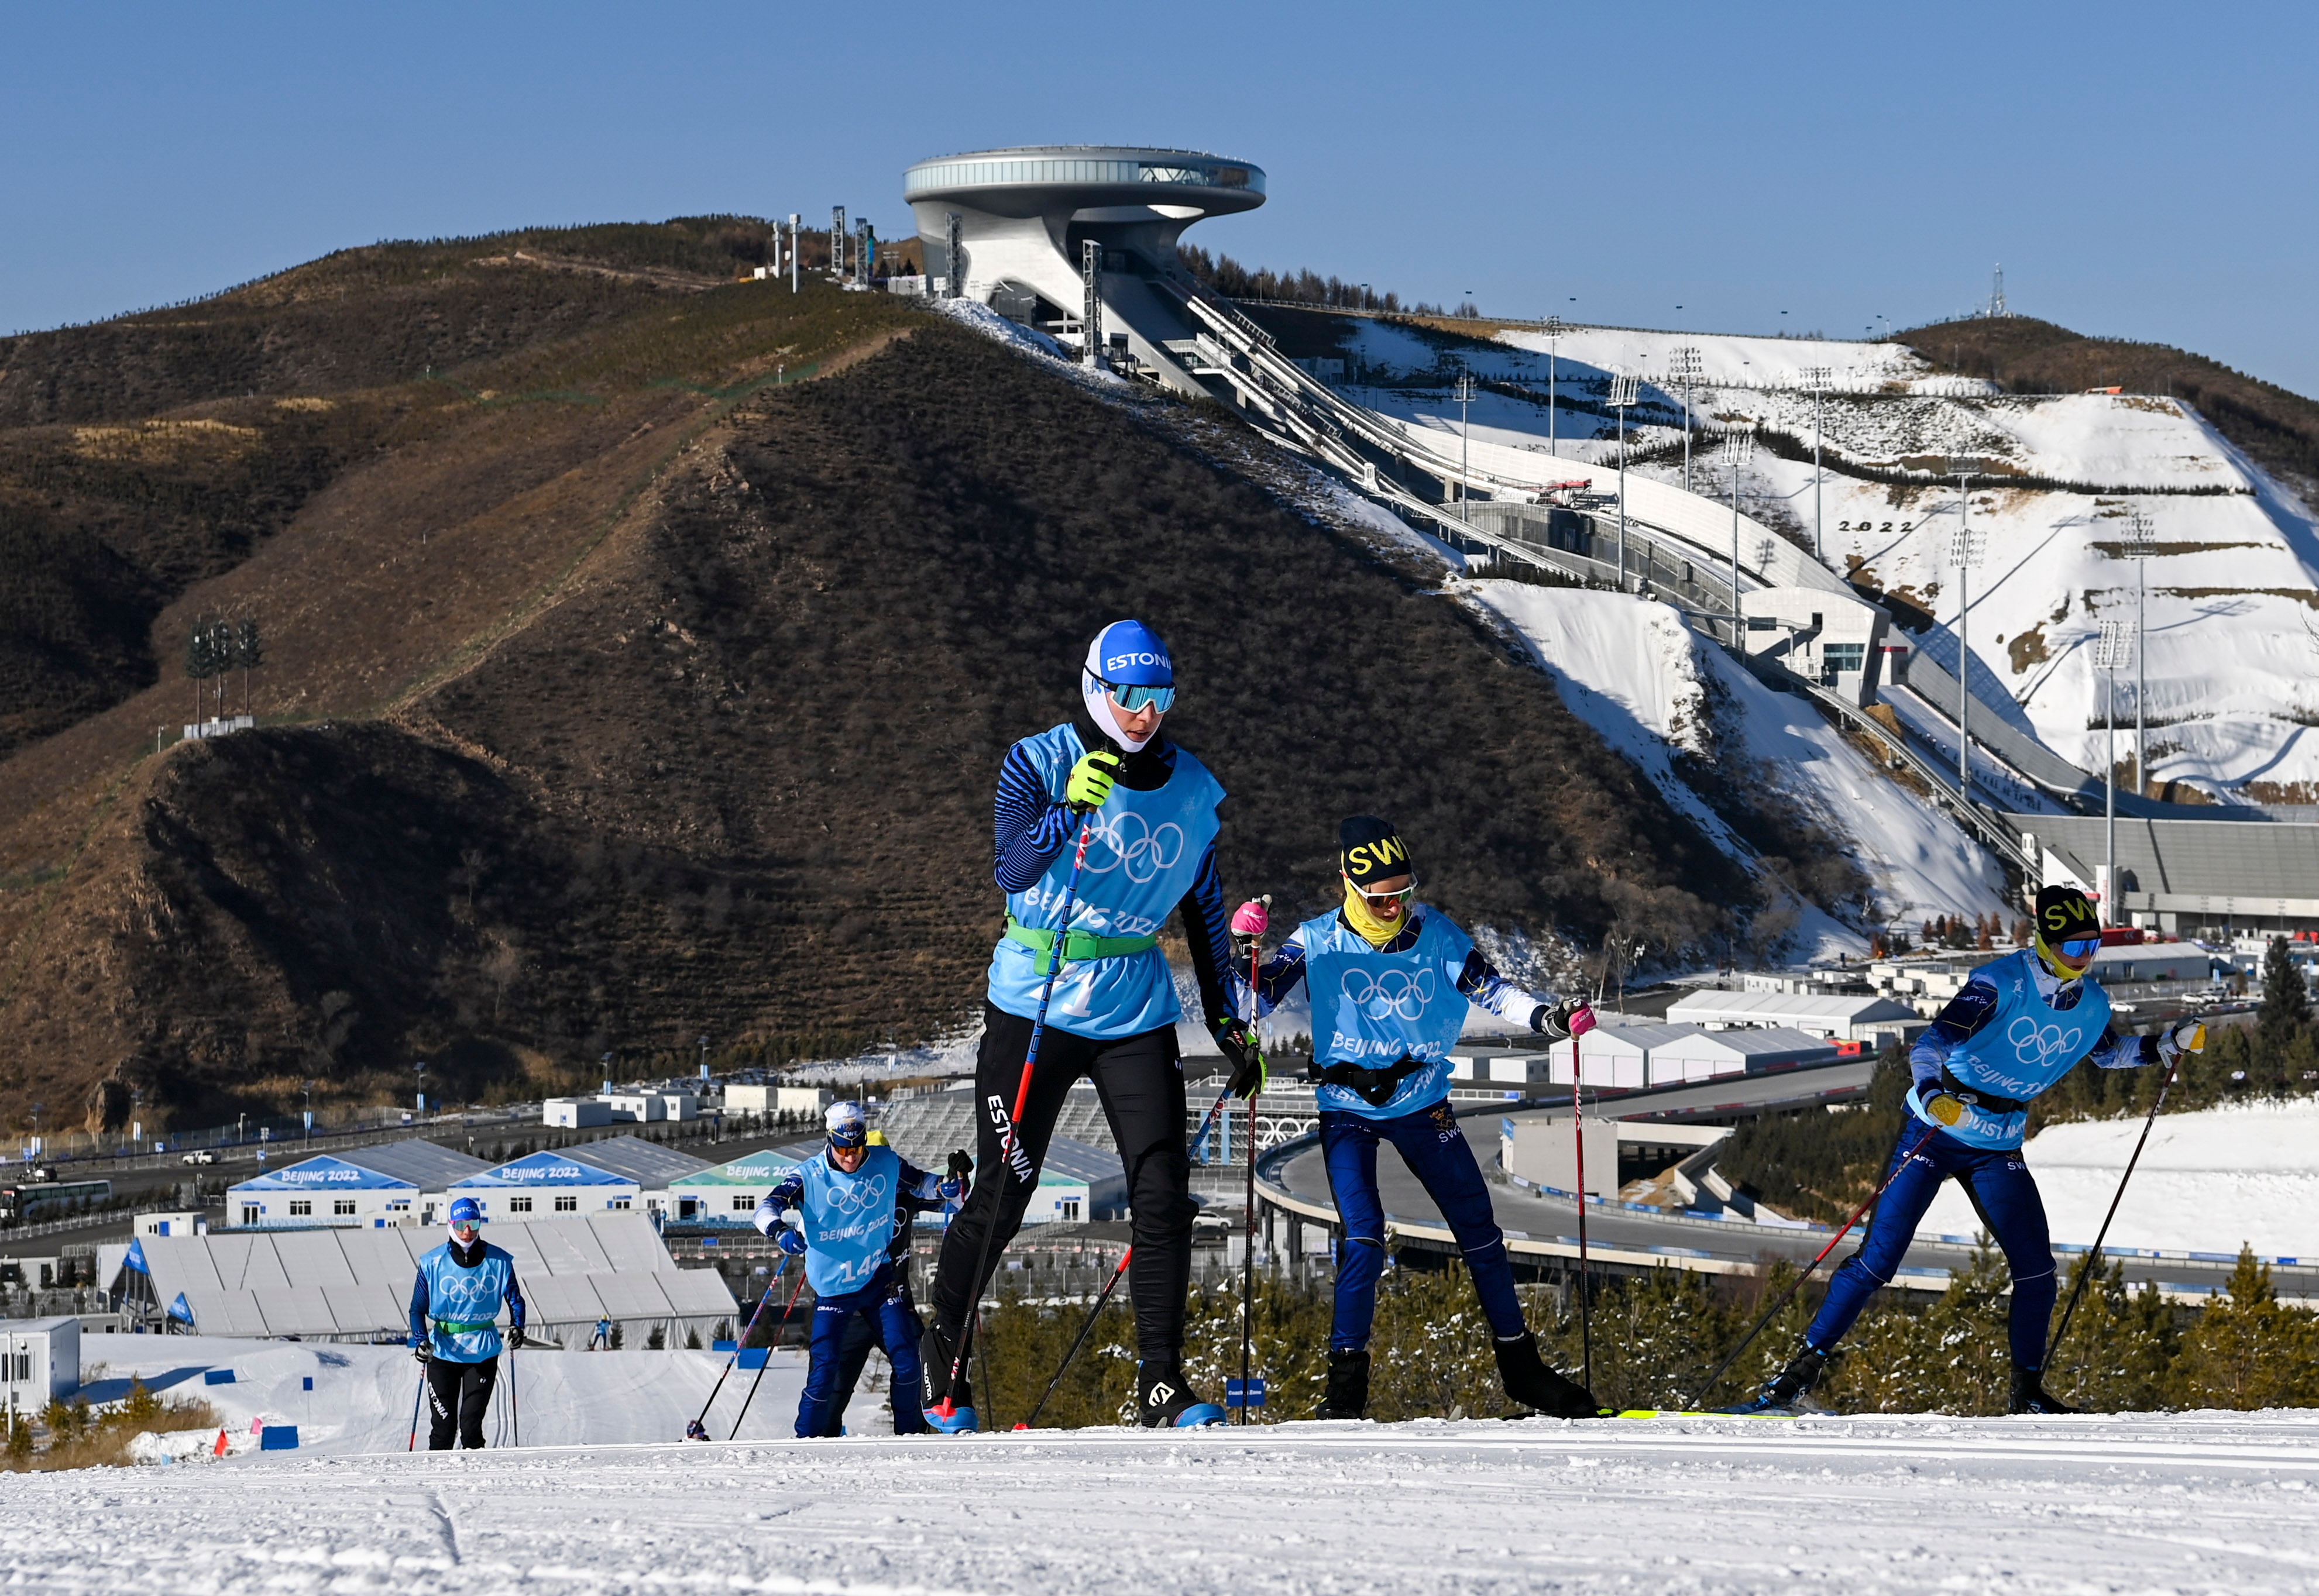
column 1463, row 394
column 1739, row 443
column 2141, row 543
column 1816, row 378
column 795, row 219
column 2109, row 651
column 1685, row 370
column 1555, row 339
column 1554, row 332
column 1623, row 398
column 1964, row 552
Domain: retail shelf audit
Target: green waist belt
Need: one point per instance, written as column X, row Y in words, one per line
column 1078, row 946
column 461, row 1326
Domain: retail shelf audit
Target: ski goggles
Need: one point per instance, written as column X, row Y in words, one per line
column 2077, row 948
column 1132, row 697
column 464, row 1229
column 1378, row 900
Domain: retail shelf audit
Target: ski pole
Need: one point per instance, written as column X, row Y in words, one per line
column 949, row 1404
column 417, row 1397
column 698, row 1429
column 515, row 1404
column 778, row 1333
column 1085, row 1329
column 1585, row 1306
column 1248, row 1259
column 1795, row 1286
column 2093, row 1258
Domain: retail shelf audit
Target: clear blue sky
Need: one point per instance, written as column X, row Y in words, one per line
column 2140, row 170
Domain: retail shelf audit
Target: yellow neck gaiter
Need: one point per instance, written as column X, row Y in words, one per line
column 1377, row 931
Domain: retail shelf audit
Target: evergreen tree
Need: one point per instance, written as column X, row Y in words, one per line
column 2247, row 1350
column 2286, row 1012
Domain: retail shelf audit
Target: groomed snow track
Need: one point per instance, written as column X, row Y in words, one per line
column 2140, row 1502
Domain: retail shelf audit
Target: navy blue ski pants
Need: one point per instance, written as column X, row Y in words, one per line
column 819, row 1409
column 1435, row 1149
column 2003, row 1193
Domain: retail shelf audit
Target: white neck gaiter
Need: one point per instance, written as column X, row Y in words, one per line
column 1099, row 706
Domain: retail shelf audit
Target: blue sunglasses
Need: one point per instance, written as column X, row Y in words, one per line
column 2082, row 948
column 1133, row 698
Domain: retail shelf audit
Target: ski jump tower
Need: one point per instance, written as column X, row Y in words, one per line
column 1024, row 220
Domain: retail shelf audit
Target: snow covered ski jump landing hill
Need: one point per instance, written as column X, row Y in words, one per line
column 2188, row 1502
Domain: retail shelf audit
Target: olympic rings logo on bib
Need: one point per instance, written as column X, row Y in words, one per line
column 852, row 1196
column 1393, row 992
column 1137, row 848
column 2037, row 1047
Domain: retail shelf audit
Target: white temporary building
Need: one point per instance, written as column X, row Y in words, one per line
column 728, row 1194
column 1710, row 1055
column 390, row 1183
column 1616, row 1058
column 40, row 1358
column 332, row 1285
column 614, row 1175
column 1846, row 1018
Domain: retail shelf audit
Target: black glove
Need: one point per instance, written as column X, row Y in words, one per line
column 515, row 1335
column 959, row 1165
column 422, row 1354
column 1242, row 1052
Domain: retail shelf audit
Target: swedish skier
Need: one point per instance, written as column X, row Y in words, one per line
column 863, row 1333
column 1150, row 808
column 1389, row 979
column 2020, row 1024
column 454, row 1305
column 844, row 1200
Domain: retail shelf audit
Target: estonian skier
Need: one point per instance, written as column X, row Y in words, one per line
column 461, row 1287
column 1150, row 808
column 844, row 1199
column 1389, row 979
column 2019, row 1024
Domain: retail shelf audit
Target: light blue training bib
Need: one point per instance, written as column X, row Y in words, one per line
column 1371, row 1008
column 465, row 1296
column 2023, row 1049
column 1142, row 857
column 849, row 1219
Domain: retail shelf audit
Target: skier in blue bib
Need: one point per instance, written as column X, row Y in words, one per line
column 454, row 1333
column 2019, row 1024
column 844, row 1200
column 1150, row 810
column 1389, row 979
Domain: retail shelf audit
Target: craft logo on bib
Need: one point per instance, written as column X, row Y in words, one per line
column 1397, row 993
column 1127, row 843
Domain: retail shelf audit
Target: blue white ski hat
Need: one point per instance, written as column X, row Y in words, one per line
column 848, row 1126
column 1129, row 653
column 465, row 1211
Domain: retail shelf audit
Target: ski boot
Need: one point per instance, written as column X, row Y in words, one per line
column 2030, row 1395
column 1162, row 1399
column 1784, row 1390
column 1347, row 1396
column 1529, row 1384
column 948, row 1404
column 696, row 1431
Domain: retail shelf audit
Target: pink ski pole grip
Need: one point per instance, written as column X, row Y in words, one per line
column 1250, row 919
column 1582, row 1021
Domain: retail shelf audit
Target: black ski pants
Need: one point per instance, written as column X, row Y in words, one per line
column 460, row 1395
column 1140, row 1081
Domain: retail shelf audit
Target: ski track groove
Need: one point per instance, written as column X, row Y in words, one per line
column 2185, row 1502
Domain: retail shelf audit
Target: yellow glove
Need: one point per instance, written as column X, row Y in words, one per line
column 1091, row 780
column 1944, row 1108
column 2189, row 1037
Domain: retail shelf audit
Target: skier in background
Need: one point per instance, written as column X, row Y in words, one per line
column 1151, row 807
column 845, row 1201
column 460, row 1288
column 863, row 1333
column 602, row 1342
column 1389, row 979
column 2020, row 1024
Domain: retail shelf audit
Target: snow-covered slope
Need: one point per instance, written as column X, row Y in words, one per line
column 2211, row 1179
column 362, row 1397
column 1630, row 669
column 2233, row 579
column 2206, row 1502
